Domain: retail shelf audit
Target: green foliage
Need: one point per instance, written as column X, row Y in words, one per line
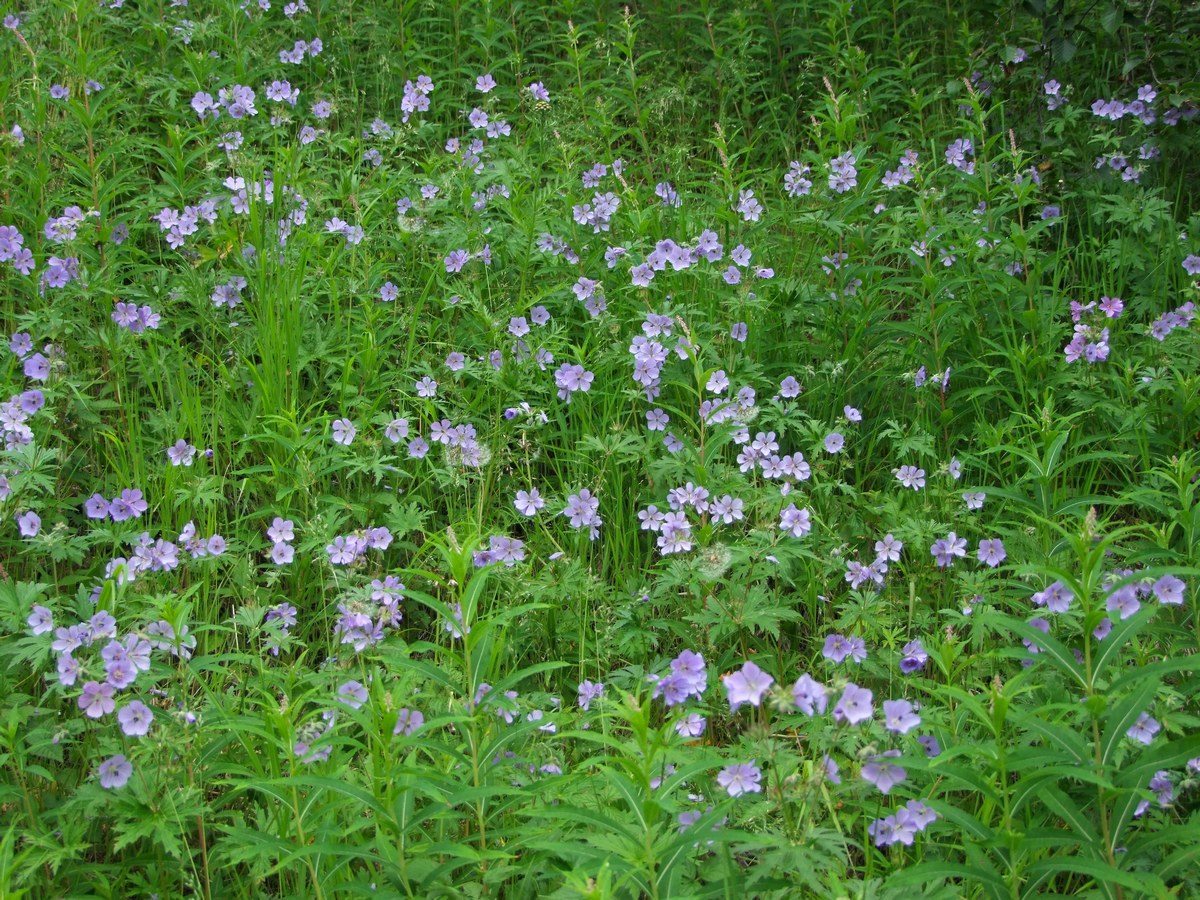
column 419, row 686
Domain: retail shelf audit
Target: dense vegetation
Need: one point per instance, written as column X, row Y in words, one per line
column 469, row 448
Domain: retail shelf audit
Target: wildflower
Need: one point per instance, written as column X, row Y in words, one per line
column 114, row 772
column 181, row 453
column 40, row 620
column 888, row 549
column 838, row 647
column 37, row 367
column 738, row 779
column 691, row 726
column 408, row 721
column 1169, row 590
column 748, row 206
column 572, row 378
column 582, row 511
column 794, row 521
column 809, row 695
column 991, row 552
column 946, row 550
column 529, row 502
column 589, row 691
column 97, row 699
column 353, row 694
column 747, row 685
column 914, row 657
column 899, row 716
column 135, row 718
column 883, row 774
column 854, row 706
column 1144, row 729
column 29, row 524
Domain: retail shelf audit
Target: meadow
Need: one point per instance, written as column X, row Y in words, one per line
column 520, row 449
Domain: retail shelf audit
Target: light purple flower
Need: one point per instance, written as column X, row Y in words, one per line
column 1169, row 590
column 1144, row 729
column 946, row 550
column 854, row 706
column 883, row 774
column 794, row 521
column 114, row 772
column 991, row 552
column 408, row 721
column 899, row 716
column 135, row 718
column 529, row 502
column 810, row 696
column 741, row 778
column 747, row 685
column 343, row 432
column 97, row 699
column 29, row 523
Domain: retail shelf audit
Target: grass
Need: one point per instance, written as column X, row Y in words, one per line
column 399, row 693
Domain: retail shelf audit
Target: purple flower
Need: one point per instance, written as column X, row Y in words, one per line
column 352, row 693
column 747, row 685
column 37, row 367
column 572, row 378
column 343, row 432
column 135, row 718
column 834, row 442
column 129, row 504
column 1169, row 590
column 20, row 343
column 911, row 477
column 691, row 726
column 97, row 699
column 529, row 502
column 408, row 721
column 838, row 647
column 29, row 524
column 794, row 521
column 914, row 657
column 41, row 620
column 854, row 706
column 582, row 510
column 181, row 453
column 809, row 695
column 1144, row 729
column 589, row 691
column 1123, row 601
column 883, row 774
column 114, row 772
column 991, row 552
column 899, row 716
column 888, row 549
column 455, row 260
column 740, row 778
column 946, row 550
